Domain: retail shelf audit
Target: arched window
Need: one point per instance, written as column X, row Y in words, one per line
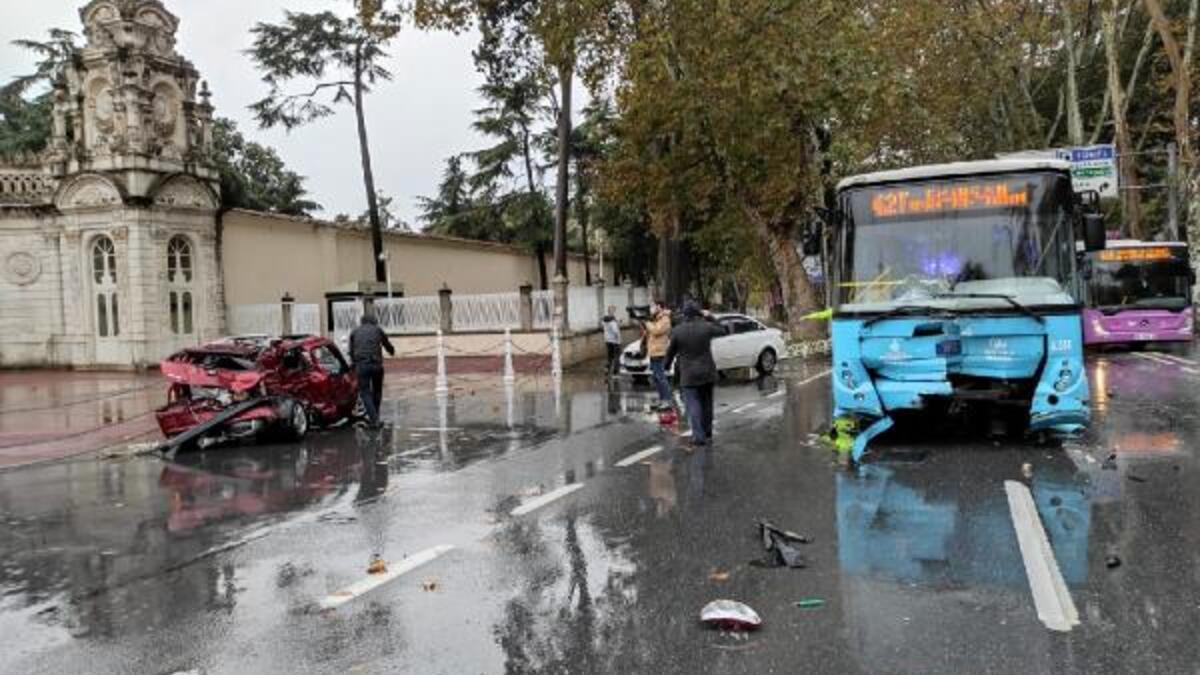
column 104, row 278
column 179, row 285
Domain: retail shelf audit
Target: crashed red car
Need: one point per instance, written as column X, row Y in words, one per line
column 250, row 387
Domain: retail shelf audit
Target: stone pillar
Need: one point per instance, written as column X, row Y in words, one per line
column 447, row 309
column 560, row 304
column 526, row 307
column 287, row 303
column 600, row 301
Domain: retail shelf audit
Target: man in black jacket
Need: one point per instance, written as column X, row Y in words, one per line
column 691, row 342
column 367, row 343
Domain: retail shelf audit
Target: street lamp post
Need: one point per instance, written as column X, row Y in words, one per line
column 387, row 261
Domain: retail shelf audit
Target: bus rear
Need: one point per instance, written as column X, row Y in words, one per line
column 1138, row 293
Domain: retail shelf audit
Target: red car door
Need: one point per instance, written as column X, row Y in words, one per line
column 331, row 383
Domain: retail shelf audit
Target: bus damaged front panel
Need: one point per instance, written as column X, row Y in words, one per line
column 907, row 363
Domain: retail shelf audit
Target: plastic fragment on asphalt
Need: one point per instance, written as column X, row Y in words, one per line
column 718, row 575
column 1136, row 478
column 730, row 615
column 810, row 603
column 1112, row 561
column 781, row 548
column 372, row 582
column 377, row 565
column 1051, row 598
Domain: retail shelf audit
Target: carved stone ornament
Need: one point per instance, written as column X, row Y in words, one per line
column 89, row 192
column 22, row 268
column 185, row 193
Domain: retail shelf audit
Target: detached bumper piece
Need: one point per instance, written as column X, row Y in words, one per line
column 215, row 422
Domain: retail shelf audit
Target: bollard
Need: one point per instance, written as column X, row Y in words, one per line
column 510, row 375
column 556, row 369
column 442, row 385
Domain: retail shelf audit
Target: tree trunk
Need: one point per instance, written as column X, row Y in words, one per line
column 1130, row 200
column 581, row 216
column 368, row 173
column 539, row 252
column 799, row 296
column 1180, row 71
column 1074, row 116
column 562, row 189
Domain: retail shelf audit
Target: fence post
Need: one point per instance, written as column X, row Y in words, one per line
column 561, row 322
column 447, row 309
column 286, row 304
column 526, row 308
column 442, row 385
column 510, row 375
column 556, row 369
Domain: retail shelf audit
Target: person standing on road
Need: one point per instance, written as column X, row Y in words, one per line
column 367, row 344
column 658, row 337
column 691, row 343
column 612, row 341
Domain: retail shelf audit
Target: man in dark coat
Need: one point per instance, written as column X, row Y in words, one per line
column 367, row 344
column 691, row 344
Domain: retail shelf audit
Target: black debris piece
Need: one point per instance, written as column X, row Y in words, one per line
column 781, row 547
column 1112, row 561
column 1136, row 478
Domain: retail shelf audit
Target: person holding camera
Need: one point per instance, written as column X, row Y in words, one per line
column 658, row 338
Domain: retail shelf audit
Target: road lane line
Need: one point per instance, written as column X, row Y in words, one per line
column 1178, row 359
column 1051, row 598
column 1166, row 360
column 416, row 451
column 374, row 581
column 535, row 504
column 639, row 456
column 742, row 408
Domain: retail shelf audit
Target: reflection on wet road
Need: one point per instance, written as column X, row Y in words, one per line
column 569, row 532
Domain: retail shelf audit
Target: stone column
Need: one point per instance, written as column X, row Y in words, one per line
column 287, row 303
column 560, row 304
column 526, row 307
column 600, row 300
column 447, row 309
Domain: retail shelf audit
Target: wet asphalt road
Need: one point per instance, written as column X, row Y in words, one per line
column 218, row 563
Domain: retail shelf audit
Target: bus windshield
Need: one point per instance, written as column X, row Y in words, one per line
column 923, row 242
column 1152, row 277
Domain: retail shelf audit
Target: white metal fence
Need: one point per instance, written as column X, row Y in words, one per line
column 306, row 319
column 267, row 319
column 582, row 311
column 543, row 310
column 641, row 296
column 421, row 314
column 617, row 297
column 346, row 317
column 489, row 312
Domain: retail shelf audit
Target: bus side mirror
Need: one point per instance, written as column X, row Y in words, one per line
column 811, row 243
column 1095, row 237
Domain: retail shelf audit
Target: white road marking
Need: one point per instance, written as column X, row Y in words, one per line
column 801, row 383
column 1178, row 359
column 373, row 581
column 1051, row 599
column 416, row 451
column 742, row 408
column 1165, row 360
column 639, row 456
column 535, row 504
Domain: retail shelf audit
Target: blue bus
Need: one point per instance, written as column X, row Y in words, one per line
column 955, row 286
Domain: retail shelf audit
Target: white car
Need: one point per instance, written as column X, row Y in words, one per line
column 749, row 344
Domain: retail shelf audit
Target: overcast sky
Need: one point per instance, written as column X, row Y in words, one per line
column 415, row 122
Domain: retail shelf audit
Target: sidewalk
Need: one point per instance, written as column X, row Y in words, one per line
column 47, row 415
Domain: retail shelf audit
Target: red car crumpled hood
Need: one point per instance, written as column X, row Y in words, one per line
column 186, row 373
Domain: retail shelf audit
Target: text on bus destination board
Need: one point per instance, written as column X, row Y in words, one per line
column 943, row 198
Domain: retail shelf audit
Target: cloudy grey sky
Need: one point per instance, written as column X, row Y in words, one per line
column 416, row 121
